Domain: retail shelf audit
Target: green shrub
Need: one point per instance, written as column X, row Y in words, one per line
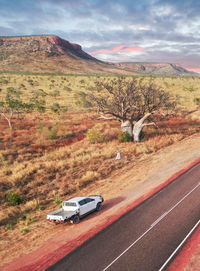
column 142, row 136
column 55, row 108
column 67, row 89
column 8, row 227
column 37, row 207
column 55, row 93
column 13, row 198
column 64, row 109
column 190, row 89
column 32, row 219
column 24, row 217
column 25, row 230
column 124, row 137
column 82, row 100
column 94, row 136
column 58, row 201
column 53, row 134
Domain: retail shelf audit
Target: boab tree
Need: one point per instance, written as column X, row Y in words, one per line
column 130, row 101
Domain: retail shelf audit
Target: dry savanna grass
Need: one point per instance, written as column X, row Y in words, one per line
column 49, row 157
column 64, row 89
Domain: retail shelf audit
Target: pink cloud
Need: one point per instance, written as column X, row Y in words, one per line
column 119, row 48
column 193, row 69
column 101, row 51
column 133, row 50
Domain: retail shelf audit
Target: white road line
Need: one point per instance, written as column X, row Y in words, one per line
column 152, row 226
column 175, row 251
column 159, row 219
column 169, row 211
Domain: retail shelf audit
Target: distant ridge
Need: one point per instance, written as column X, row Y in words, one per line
column 155, row 68
column 52, row 54
column 48, row 54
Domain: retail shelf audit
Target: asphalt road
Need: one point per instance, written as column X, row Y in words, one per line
column 144, row 238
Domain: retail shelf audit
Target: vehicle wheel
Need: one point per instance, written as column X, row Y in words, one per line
column 75, row 219
column 99, row 206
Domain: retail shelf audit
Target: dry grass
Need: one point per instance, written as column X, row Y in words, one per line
column 64, row 89
column 48, row 157
column 42, row 170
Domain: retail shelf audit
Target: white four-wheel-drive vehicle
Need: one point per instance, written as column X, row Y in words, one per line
column 75, row 208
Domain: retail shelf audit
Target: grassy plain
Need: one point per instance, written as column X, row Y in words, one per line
column 65, row 88
column 48, row 158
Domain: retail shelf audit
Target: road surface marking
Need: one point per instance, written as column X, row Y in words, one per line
column 159, row 219
column 169, row 211
column 151, row 227
column 175, row 251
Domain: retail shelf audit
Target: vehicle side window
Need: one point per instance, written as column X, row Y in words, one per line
column 82, row 202
column 89, row 200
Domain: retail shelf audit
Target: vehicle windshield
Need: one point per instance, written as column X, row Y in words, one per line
column 71, row 204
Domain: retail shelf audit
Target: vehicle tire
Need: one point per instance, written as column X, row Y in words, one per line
column 75, row 219
column 99, row 207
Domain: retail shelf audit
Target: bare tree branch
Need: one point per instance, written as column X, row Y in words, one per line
column 149, row 124
column 107, row 118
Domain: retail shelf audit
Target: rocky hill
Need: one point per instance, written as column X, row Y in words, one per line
column 51, row 54
column 164, row 69
column 48, row 54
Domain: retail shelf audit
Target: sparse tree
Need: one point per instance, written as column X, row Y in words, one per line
column 81, row 100
column 12, row 104
column 38, row 102
column 130, row 101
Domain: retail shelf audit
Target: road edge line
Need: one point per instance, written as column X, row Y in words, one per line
column 179, row 247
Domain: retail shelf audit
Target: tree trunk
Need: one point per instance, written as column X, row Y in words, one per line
column 136, row 132
column 137, row 128
column 127, row 127
column 9, row 123
column 8, row 120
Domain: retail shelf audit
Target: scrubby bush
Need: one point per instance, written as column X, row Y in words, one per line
column 32, row 219
column 124, row 137
column 67, row 89
column 25, row 230
column 53, row 134
column 55, row 108
column 14, row 198
column 82, row 100
column 95, row 136
column 8, row 227
column 55, row 93
column 58, row 201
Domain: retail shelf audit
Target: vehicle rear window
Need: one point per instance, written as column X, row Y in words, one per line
column 70, row 204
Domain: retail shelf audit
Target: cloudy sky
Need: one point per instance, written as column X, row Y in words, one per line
column 113, row 30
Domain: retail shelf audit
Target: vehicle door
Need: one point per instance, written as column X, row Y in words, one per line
column 91, row 204
column 83, row 207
